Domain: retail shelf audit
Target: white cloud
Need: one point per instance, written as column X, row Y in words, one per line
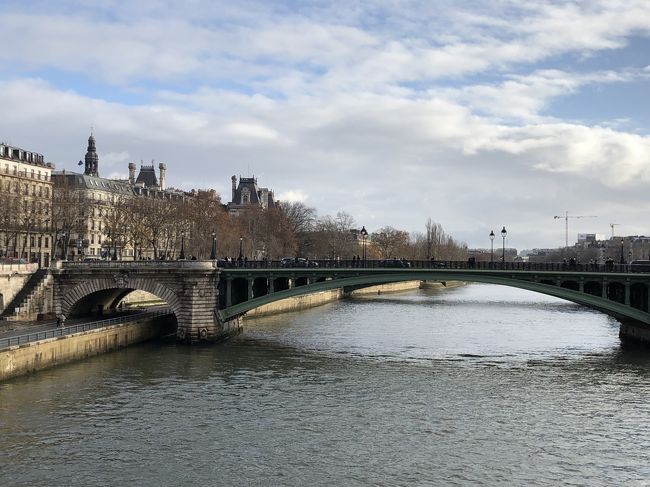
column 292, row 195
column 375, row 109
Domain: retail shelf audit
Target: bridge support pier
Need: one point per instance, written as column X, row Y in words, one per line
column 634, row 332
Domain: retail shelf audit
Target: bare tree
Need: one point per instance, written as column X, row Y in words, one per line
column 389, row 241
column 301, row 218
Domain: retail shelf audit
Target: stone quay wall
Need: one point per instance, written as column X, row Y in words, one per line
column 12, row 279
column 31, row 357
column 320, row 298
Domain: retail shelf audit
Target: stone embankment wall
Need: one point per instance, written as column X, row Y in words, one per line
column 296, row 304
column 12, row 279
column 139, row 299
column 24, row 359
column 317, row 299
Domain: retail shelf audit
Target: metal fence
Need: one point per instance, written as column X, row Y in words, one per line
column 69, row 330
column 433, row 264
column 569, row 266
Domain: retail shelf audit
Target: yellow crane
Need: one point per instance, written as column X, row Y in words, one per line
column 566, row 224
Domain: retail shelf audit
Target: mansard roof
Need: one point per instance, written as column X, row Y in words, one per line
column 247, row 185
column 147, row 176
column 85, row 181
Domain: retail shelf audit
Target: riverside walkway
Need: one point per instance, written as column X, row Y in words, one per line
column 27, row 332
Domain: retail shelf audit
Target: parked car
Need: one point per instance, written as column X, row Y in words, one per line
column 305, row 263
column 287, row 262
column 299, row 262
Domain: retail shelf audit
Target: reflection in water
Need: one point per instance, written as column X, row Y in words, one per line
column 480, row 385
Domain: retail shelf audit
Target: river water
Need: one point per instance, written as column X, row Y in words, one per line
column 477, row 385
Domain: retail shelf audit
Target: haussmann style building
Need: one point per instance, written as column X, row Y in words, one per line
column 25, row 206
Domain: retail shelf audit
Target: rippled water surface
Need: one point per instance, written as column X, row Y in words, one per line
column 480, row 385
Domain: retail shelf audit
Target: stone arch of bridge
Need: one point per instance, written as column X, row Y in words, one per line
column 612, row 307
column 86, row 296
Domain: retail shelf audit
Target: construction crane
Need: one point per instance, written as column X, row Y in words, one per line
column 613, row 225
column 566, row 224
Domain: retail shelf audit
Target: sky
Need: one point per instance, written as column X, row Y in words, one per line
column 476, row 114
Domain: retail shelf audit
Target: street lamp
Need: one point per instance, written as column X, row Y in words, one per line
column 241, row 243
column 79, row 247
column 503, row 235
column 213, row 252
column 364, row 235
column 182, row 254
column 622, row 255
column 63, row 252
column 114, row 235
column 491, row 246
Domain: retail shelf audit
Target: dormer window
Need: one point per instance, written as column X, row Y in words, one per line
column 245, row 196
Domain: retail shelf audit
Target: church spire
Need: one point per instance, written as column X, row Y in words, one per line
column 92, row 159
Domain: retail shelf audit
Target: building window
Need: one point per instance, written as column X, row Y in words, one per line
column 47, row 242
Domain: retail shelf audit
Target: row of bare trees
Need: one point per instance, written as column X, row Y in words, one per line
column 158, row 228
column 331, row 237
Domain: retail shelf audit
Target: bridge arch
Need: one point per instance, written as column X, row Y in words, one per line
column 613, row 307
column 86, row 296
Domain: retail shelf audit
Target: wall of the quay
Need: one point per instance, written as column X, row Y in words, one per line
column 12, row 280
column 318, row 299
column 392, row 287
column 297, row 303
column 31, row 357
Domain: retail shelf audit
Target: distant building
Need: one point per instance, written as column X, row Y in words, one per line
column 589, row 238
column 25, row 205
column 248, row 196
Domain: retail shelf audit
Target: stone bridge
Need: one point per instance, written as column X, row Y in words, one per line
column 210, row 297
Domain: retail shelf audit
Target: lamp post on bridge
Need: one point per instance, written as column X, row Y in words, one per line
column 491, row 247
column 63, row 252
column 213, row 252
column 241, row 247
column 80, row 243
column 503, row 255
column 364, row 235
column 181, row 256
column 622, row 254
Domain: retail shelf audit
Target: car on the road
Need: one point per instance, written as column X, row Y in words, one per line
column 394, row 263
column 287, row 262
column 298, row 262
column 640, row 266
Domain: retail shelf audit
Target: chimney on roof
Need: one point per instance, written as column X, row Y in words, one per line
column 132, row 172
column 163, row 169
column 234, row 188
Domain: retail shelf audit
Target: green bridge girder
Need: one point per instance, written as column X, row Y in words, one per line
column 529, row 280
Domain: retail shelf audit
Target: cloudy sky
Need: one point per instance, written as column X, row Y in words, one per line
column 478, row 114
